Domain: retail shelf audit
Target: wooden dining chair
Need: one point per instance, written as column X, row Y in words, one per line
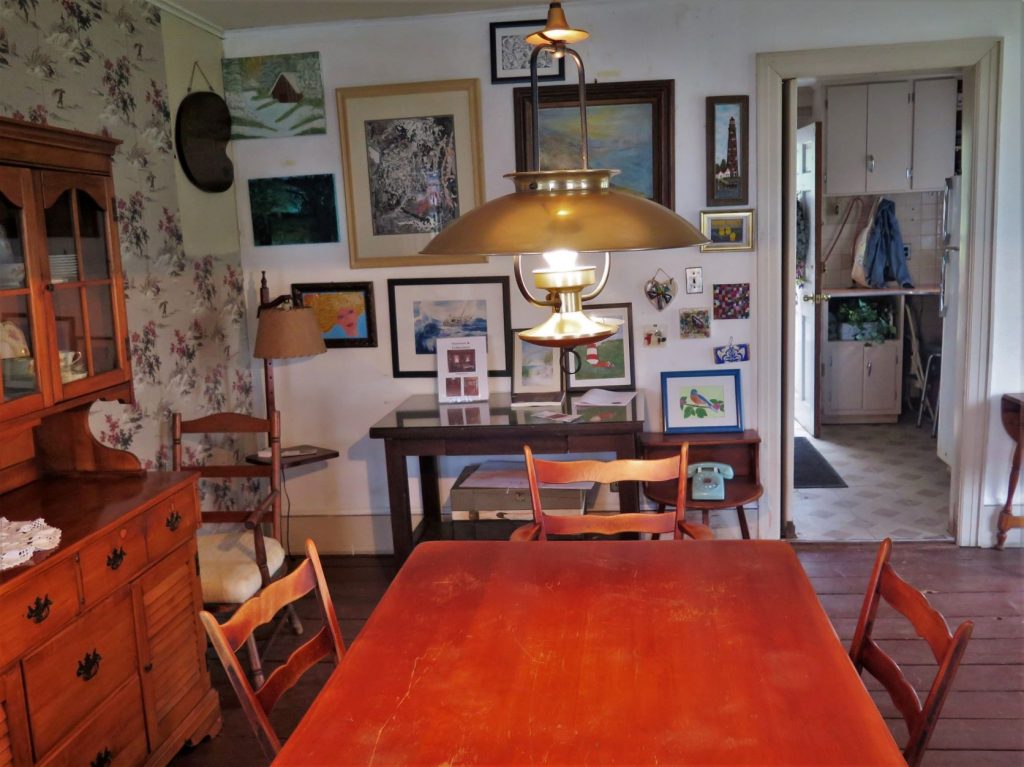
column 236, row 558
column 622, row 470
column 228, row 637
column 929, row 624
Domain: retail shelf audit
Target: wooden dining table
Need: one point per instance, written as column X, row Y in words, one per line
column 595, row 652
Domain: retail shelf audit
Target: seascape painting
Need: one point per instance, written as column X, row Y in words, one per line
column 413, row 175
column 275, row 96
column 447, row 319
column 620, row 136
column 293, row 210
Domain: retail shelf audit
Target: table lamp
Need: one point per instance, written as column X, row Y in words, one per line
column 560, row 214
column 283, row 333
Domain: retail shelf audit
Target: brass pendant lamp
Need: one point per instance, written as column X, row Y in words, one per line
column 561, row 213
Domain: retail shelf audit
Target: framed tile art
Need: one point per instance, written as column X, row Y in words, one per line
column 732, row 301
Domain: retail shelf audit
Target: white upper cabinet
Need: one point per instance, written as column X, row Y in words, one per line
column 889, row 137
column 934, row 132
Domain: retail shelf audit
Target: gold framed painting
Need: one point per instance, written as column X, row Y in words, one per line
column 413, row 162
column 727, row 229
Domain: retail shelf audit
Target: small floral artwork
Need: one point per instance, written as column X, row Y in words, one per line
column 732, row 301
column 707, row 401
column 694, row 323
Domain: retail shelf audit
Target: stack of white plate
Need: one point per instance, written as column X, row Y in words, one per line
column 63, row 267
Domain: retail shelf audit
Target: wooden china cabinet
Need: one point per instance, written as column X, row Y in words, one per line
column 102, row 657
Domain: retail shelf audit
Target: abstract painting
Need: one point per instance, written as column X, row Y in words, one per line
column 510, row 53
column 732, row 301
column 293, row 210
column 694, row 323
column 275, row 96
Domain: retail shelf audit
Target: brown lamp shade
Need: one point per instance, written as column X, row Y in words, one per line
column 557, row 29
column 284, row 333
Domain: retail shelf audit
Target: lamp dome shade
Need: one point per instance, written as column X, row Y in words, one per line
column 553, row 210
column 557, row 29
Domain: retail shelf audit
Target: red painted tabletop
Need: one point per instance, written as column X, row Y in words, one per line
column 604, row 652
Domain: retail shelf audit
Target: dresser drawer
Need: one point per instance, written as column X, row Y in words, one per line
column 79, row 669
column 113, row 560
column 171, row 522
column 113, row 736
column 34, row 612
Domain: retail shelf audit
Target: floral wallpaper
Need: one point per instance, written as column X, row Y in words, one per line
column 97, row 66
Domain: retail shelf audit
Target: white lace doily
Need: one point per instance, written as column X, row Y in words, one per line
column 20, row 540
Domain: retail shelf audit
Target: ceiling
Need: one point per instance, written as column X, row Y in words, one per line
column 245, row 14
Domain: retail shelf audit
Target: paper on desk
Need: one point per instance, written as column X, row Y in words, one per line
column 605, row 397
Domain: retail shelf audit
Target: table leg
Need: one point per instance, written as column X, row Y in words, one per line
column 1006, row 519
column 398, row 501
column 744, row 530
column 629, row 492
column 430, row 489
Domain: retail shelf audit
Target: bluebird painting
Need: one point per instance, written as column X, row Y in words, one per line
column 705, row 402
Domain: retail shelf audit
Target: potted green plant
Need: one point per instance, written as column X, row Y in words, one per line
column 865, row 320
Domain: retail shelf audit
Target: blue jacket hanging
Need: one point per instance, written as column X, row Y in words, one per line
column 884, row 259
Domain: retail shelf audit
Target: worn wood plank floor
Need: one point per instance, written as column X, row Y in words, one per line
column 982, row 724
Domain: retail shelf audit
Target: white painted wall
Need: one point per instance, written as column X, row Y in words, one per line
column 708, row 47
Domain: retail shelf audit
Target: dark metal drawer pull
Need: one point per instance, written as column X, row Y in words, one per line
column 173, row 521
column 103, row 758
column 40, row 611
column 89, row 665
column 116, row 558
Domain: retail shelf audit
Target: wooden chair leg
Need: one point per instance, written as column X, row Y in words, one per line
column 254, row 661
column 661, row 507
column 293, row 619
column 705, row 517
column 744, row 530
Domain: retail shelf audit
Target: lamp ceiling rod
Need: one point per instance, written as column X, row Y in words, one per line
column 560, row 50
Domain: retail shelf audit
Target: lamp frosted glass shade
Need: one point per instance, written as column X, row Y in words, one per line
column 571, row 210
column 557, row 29
column 284, row 333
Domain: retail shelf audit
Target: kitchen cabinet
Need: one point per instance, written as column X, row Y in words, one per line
column 862, row 381
column 889, row 137
column 63, row 334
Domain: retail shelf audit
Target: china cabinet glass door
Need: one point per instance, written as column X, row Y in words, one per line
column 21, row 386
column 82, row 280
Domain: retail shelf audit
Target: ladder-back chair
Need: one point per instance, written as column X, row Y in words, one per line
column 622, row 470
column 929, row 624
column 228, row 637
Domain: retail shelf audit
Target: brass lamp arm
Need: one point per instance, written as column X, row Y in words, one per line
column 549, row 302
column 601, row 282
column 559, row 49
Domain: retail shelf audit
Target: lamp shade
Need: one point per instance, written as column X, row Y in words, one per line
column 284, row 333
column 564, row 209
column 557, row 29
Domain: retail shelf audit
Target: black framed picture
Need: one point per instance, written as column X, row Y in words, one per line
column 607, row 364
column 423, row 310
column 344, row 311
column 728, row 140
column 510, row 53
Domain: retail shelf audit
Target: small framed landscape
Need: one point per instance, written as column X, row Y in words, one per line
column 510, row 53
column 727, row 229
column 344, row 311
column 606, row 364
column 423, row 310
column 701, row 401
column 728, row 169
column 274, row 96
column 535, row 369
column 293, row 210
column 413, row 163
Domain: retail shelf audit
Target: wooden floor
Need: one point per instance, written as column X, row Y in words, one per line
column 981, row 726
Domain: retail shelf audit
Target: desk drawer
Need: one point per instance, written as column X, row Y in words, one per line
column 113, row 560
column 171, row 522
column 34, row 612
column 79, row 669
column 114, row 736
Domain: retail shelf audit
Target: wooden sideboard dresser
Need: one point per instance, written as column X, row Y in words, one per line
column 102, row 656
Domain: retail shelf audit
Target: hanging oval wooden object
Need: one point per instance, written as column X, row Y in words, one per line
column 201, row 134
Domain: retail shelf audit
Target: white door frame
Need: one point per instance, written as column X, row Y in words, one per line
column 982, row 63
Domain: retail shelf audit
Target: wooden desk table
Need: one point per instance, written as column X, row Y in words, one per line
column 1010, row 410
column 422, row 428
column 596, row 652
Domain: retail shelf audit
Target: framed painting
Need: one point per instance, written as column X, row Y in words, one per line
column 630, row 125
column 728, row 169
column 293, row 210
column 701, row 401
column 510, row 53
column 275, row 96
column 344, row 311
column 535, row 369
column 727, row 229
column 606, row 364
column 413, row 162
column 423, row 310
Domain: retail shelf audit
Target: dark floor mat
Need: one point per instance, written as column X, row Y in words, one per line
column 810, row 469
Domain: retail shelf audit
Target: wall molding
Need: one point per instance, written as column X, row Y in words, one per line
column 169, row 6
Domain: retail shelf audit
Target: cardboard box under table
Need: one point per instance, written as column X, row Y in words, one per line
column 501, row 490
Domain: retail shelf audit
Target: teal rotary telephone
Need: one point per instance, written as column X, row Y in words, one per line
column 708, row 480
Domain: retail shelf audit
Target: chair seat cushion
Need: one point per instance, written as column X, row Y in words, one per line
column 227, row 565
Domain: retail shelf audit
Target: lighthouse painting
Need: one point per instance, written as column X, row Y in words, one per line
column 727, row 155
column 606, row 364
column 702, row 401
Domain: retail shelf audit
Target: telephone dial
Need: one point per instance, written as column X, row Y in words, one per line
column 708, row 480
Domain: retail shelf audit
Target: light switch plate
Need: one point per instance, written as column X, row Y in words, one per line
column 694, row 280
